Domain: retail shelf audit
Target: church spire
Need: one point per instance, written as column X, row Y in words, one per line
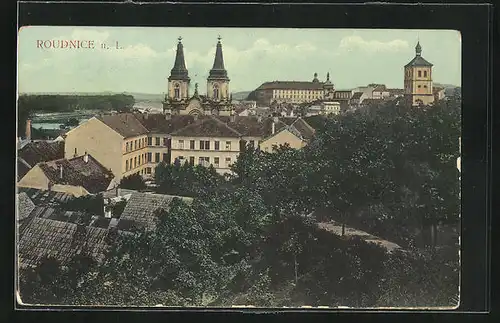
column 418, row 49
column 179, row 71
column 218, row 70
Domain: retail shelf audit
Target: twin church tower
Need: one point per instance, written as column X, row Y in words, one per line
column 217, row 101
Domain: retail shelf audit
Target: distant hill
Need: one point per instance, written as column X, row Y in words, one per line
column 137, row 96
column 240, row 95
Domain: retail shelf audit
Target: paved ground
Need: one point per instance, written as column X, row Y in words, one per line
column 336, row 228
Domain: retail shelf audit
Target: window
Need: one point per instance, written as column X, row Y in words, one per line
column 191, row 145
column 135, row 162
column 252, row 143
column 157, row 157
column 148, row 170
column 157, row 141
column 204, row 144
column 216, row 91
column 177, row 91
column 126, row 165
column 216, row 162
column 419, row 86
column 228, row 160
column 204, row 161
column 139, row 159
column 425, row 86
column 150, row 141
column 144, row 142
column 181, row 144
column 228, row 145
column 150, row 157
column 165, row 156
column 191, row 160
column 425, row 73
column 126, row 149
column 135, row 144
column 217, row 145
column 419, row 73
column 207, row 145
column 165, row 141
column 130, row 163
column 76, row 154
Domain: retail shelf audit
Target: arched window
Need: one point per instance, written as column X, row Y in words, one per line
column 425, row 73
column 177, row 91
column 216, row 91
column 419, row 73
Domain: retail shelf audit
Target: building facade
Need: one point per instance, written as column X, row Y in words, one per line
column 295, row 92
column 418, row 80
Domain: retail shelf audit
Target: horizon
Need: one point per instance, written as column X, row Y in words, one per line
column 252, row 56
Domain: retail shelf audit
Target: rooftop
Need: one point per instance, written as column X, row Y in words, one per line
column 44, row 197
column 141, row 208
column 93, row 176
column 126, row 124
column 35, row 152
column 292, row 85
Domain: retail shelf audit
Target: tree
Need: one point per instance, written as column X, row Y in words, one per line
column 133, row 182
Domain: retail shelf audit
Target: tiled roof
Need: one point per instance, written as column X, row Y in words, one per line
column 141, row 208
column 59, row 239
column 156, row 123
column 251, row 126
column 207, row 127
column 306, row 131
column 91, row 175
column 357, row 95
column 396, row 91
column 126, row 124
column 22, row 168
column 40, row 151
column 43, row 197
column 24, row 206
column 380, row 88
column 372, row 101
column 418, row 61
column 292, row 85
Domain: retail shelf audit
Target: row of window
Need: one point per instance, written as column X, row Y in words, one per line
column 205, row 161
column 420, row 73
column 142, row 159
column 204, row 144
column 141, row 143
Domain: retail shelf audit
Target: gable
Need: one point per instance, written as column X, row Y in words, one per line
column 35, row 178
column 282, row 137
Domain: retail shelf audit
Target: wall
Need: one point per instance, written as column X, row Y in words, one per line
column 76, row 191
column 223, row 89
column 35, row 178
column 281, row 138
column 184, row 89
column 100, row 141
column 222, row 153
column 136, row 156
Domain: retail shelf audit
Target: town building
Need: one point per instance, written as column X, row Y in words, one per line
column 296, row 135
column 418, row 80
column 295, row 92
column 380, row 92
column 439, row 93
column 217, row 101
column 30, row 153
column 77, row 176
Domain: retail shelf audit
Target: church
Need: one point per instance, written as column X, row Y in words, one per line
column 217, row 100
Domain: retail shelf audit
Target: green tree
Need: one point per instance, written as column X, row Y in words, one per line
column 133, row 182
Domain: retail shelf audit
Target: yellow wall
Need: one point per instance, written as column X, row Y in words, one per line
column 183, row 86
column 418, row 84
column 280, row 138
column 297, row 95
column 100, row 141
column 37, row 179
column 134, row 160
column 222, row 153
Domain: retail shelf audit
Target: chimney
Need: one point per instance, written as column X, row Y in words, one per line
column 275, row 119
column 146, row 114
column 86, row 157
column 28, row 129
column 168, row 116
column 273, row 128
column 60, row 172
column 232, row 118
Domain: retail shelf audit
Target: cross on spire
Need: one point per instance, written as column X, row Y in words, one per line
column 180, row 38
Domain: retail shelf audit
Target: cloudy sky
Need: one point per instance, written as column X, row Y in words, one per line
column 251, row 55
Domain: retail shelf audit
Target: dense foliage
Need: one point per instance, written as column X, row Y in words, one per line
column 253, row 239
column 91, row 204
column 133, row 182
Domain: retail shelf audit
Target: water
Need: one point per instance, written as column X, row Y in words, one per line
column 52, row 125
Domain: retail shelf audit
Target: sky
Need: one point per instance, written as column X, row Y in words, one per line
column 252, row 56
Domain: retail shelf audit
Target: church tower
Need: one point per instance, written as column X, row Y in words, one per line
column 418, row 80
column 217, row 81
column 178, row 81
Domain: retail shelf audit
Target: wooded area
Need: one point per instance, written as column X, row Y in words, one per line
column 247, row 239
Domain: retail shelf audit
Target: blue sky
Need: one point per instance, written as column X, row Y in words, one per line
column 354, row 57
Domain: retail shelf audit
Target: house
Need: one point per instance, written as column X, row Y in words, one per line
column 30, row 153
column 141, row 208
column 296, row 135
column 380, row 92
column 439, row 93
column 76, row 176
column 396, row 93
column 330, row 108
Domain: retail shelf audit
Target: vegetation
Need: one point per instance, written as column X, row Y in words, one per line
column 28, row 105
column 92, row 204
column 250, row 240
column 133, row 182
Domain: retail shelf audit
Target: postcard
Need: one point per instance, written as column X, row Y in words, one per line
column 238, row 167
